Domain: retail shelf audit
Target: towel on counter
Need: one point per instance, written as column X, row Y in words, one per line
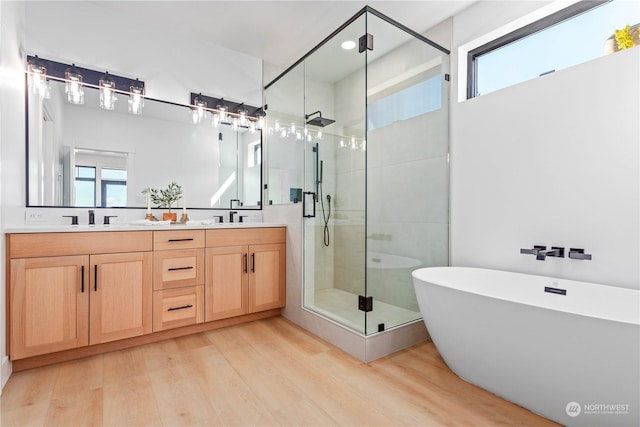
column 148, row 222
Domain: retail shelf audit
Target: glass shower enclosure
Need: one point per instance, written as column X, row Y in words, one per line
column 357, row 133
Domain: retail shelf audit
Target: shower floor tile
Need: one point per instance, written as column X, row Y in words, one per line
column 342, row 307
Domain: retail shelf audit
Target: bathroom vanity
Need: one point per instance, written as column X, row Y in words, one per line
column 81, row 292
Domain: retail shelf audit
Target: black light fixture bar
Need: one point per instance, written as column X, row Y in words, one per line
column 90, row 77
column 232, row 107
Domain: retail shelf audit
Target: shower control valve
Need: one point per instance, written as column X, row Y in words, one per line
column 575, row 253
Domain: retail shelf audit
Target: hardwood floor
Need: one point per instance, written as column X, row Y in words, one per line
column 265, row 373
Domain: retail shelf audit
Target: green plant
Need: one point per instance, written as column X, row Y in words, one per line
column 624, row 38
column 165, row 198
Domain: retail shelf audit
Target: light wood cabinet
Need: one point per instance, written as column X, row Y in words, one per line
column 177, row 269
column 266, row 277
column 121, row 296
column 244, row 277
column 49, row 305
column 177, row 307
column 76, row 294
column 226, row 282
column 178, row 278
column 64, row 302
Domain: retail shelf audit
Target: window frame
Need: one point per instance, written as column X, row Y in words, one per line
column 520, row 33
column 104, row 183
column 84, row 179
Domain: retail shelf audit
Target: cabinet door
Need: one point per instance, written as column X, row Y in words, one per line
column 267, row 277
column 225, row 282
column 121, row 296
column 49, row 305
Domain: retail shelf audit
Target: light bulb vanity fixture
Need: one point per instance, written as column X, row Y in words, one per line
column 41, row 71
column 220, row 111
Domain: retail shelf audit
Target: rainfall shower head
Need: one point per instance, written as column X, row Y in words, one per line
column 318, row 121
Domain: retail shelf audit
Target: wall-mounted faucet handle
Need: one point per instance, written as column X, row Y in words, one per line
column 575, row 253
column 555, row 251
column 107, row 218
column 220, row 218
column 74, row 219
column 242, row 217
column 536, row 249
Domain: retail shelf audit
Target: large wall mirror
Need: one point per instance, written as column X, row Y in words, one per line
column 84, row 156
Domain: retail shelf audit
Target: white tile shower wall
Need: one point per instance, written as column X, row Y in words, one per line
column 552, row 161
column 407, row 201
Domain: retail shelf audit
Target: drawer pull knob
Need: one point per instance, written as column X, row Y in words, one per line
column 180, row 308
column 181, row 240
column 180, row 268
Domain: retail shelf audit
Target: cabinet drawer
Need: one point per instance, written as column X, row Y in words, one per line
column 178, row 239
column 31, row 245
column 179, row 268
column 173, row 308
column 245, row 236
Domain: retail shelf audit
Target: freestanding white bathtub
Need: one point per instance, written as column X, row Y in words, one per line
column 567, row 350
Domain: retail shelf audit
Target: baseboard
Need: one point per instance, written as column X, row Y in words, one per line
column 6, row 372
column 384, row 343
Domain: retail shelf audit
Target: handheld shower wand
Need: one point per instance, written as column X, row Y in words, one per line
column 326, row 215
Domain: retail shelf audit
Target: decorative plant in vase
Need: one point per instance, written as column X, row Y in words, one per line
column 165, row 198
column 624, row 37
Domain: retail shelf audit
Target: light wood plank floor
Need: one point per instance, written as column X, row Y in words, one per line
column 263, row 373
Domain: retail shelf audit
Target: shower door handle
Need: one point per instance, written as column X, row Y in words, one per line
column 304, row 204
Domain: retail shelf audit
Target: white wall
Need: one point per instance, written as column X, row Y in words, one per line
column 551, row 161
column 171, row 63
column 12, row 180
column 148, row 141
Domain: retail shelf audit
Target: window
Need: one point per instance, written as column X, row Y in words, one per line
column 420, row 98
column 113, row 185
column 568, row 37
column 254, row 154
column 85, row 189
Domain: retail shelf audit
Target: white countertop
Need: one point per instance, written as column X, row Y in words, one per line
column 193, row 225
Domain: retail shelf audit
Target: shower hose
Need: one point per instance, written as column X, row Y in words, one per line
column 325, row 216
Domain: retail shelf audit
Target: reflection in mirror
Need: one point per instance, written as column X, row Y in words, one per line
column 84, row 156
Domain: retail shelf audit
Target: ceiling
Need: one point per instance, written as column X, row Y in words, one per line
column 279, row 32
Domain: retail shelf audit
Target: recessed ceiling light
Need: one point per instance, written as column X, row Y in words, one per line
column 348, row 45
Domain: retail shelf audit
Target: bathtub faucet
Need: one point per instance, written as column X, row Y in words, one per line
column 554, row 252
column 536, row 249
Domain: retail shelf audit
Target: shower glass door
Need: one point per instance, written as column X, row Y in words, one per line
column 334, row 159
column 358, row 132
column 407, row 219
